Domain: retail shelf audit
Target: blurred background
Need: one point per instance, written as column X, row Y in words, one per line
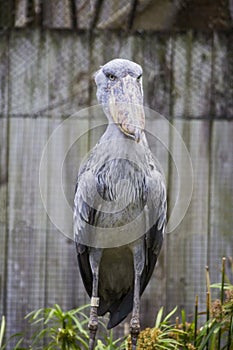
column 49, row 51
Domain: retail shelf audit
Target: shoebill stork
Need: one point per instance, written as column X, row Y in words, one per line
column 120, row 203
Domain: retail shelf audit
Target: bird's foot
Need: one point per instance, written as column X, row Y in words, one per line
column 134, row 330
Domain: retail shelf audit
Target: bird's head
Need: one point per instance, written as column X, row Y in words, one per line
column 119, row 90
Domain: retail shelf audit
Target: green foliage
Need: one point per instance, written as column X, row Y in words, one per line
column 2, row 331
column 108, row 342
column 68, row 330
column 61, row 330
column 55, row 329
column 17, row 336
column 215, row 334
column 162, row 336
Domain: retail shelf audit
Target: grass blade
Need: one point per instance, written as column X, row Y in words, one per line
column 170, row 315
column 208, row 281
column 223, row 278
column 183, row 317
column 195, row 320
column 49, row 317
column 159, row 318
column 230, row 334
column 2, row 330
column 214, row 328
column 222, row 297
column 207, row 315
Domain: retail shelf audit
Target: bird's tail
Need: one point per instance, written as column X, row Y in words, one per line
column 120, row 310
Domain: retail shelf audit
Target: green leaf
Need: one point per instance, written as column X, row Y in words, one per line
column 159, row 318
column 18, row 344
column 79, row 325
column 214, row 328
column 227, row 286
column 60, row 314
column 50, row 315
column 34, row 314
column 170, row 315
column 183, row 317
column 2, row 330
column 83, row 342
column 40, row 335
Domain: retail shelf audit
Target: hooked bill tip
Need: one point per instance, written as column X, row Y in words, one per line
column 137, row 135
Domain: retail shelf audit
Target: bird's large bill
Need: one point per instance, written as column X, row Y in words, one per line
column 126, row 107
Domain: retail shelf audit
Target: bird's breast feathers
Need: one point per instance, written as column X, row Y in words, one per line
column 116, row 193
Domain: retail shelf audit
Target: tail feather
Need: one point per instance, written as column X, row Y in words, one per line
column 120, row 310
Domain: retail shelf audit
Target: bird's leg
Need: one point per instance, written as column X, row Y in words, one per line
column 139, row 260
column 95, row 257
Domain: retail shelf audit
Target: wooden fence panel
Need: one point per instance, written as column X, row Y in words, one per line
column 68, row 75
column 114, row 14
column 192, row 63
column 187, row 245
column 3, row 209
column 154, row 296
column 156, row 63
column 222, row 89
column 63, row 283
column 21, row 15
column 4, row 71
column 85, row 12
column 78, row 130
column 28, row 75
column 57, row 14
column 27, row 221
column 3, row 165
column 6, row 10
column 69, row 78
column 146, row 15
column 153, row 53
column 221, row 199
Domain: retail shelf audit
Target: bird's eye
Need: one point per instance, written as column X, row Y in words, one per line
column 139, row 78
column 111, row 77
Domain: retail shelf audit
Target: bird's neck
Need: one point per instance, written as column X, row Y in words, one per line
column 113, row 132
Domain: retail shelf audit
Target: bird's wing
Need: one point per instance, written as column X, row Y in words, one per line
column 84, row 214
column 157, row 210
column 105, row 197
column 156, row 215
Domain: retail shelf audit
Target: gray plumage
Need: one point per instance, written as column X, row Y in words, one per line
column 120, row 202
